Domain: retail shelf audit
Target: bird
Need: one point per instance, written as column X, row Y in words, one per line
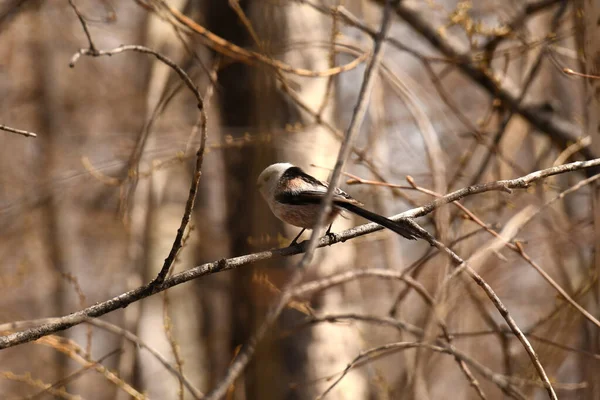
column 295, row 197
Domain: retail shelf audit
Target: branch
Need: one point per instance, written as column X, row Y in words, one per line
column 233, row 51
column 560, row 130
column 392, row 348
column 189, row 205
column 517, row 246
column 75, row 375
column 461, row 264
column 123, row 300
column 141, row 49
column 504, row 185
column 19, row 131
column 92, row 48
column 124, row 333
column 528, row 11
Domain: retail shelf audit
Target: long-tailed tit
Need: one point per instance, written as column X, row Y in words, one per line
column 294, row 197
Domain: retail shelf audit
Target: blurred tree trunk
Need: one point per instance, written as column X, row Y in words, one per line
column 239, row 97
column 29, row 228
column 57, row 234
column 253, row 100
column 172, row 322
column 325, row 348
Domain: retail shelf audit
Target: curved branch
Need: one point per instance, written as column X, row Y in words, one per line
column 558, row 129
column 142, row 49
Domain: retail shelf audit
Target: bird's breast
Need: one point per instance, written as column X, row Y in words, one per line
column 303, row 216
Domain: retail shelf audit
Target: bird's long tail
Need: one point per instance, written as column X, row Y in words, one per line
column 402, row 227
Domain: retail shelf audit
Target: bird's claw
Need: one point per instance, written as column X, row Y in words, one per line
column 332, row 236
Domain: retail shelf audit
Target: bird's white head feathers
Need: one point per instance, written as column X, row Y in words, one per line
column 269, row 178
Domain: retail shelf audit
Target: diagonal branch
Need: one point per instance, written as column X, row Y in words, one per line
column 92, row 47
column 228, row 49
column 19, row 131
column 124, row 299
column 559, row 130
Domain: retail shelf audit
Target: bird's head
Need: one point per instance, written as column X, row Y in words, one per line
column 268, row 179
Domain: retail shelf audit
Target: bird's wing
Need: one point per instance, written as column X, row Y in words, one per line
column 300, row 188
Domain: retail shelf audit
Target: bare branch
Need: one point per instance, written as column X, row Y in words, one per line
column 141, row 49
column 392, row 348
column 92, row 48
column 504, row 185
column 75, row 375
column 503, row 312
column 189, row 205
column 19, row 131
column 560, row 130
column 235, row 52
column 123, row 300
column 116, row 330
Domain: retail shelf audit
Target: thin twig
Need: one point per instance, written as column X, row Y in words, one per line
column 418, row 332
column 75, row 375
column 189, row 206
column 503, row 185
column 518, row 247
column 92, row 48
column 19, row 131
column 116, row 330
column 558, row 129
column 236, row 52
column 569, row 71
column 142, row 49
column 72, row 350
column 503, row 312
column 392, row 348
